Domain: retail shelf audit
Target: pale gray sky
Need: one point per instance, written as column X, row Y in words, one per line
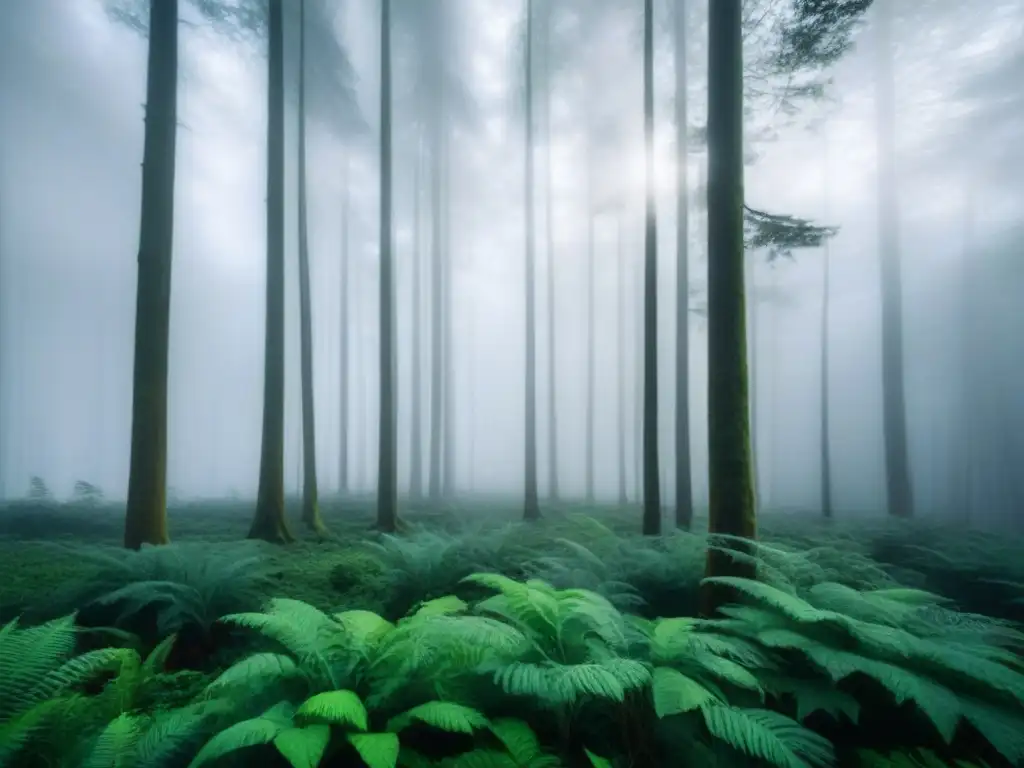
column 71, row 94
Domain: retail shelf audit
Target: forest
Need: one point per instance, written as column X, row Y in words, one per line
column 585, row 383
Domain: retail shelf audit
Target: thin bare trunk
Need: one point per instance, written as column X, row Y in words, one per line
column 684, row 486
column 416, row 453
column 310, row 502
column 531, row 503
column 553, row 487
column 146, row 514
column 344, row 333
column 652, row 482
column 899, row 487
column 387, row 475
column 269, row 521
column 623, row 357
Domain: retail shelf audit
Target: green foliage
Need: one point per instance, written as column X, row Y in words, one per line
column 157, row 591
column 782, row 234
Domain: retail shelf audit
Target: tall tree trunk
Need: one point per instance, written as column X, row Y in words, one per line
column 591, row 336
column 269, row 521
column 637, row 282
column 622, row 366
column 436, row 291
column 531, row 503
column 826, row 296
column 753, row 336
column 343, row 350
column 553, row 487
column 448, row 308
column 899, row 487
column 310, row 503
column 416, row 453
column 731, row 508
column 652, row 483
column 387, row 475
column 684, row 483
column 146, row 514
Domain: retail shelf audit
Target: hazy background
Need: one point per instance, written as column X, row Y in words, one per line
column 71, row 93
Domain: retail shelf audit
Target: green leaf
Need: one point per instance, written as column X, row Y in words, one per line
column 443, row 715
column 597, row 761
column 247, row 733
column 675, row 693
column 303, row 747
column 518, row 738
column 335, row 707
column 441, row 606
column 377, row 750
column 768, row 736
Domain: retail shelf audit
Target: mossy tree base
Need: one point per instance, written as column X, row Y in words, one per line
column 313, row 521
column 269, row 525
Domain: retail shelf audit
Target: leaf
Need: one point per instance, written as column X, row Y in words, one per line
column 442, row 606
column 443, row 715
column 377, row 750
column 769, row 736
column 303, row 747
column 335, row 707
column 518, row 738
column 247, row 733
column 597, row 761
column 675, row 693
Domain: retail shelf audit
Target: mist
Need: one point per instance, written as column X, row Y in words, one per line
column 72, row 90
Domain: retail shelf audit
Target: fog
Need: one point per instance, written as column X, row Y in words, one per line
column 72, row 88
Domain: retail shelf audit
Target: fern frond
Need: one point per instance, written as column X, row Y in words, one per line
column 303, row 747
column 343, row 708
column 247, row 733
column 446, row 716
column 675, row 693
column 377, row 750
column 768, row 736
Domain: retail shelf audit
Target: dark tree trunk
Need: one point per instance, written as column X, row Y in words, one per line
column 652, row 483
column 899, row 487
column 310, row 502
column 684, row 486
column 269, row 521
column 531, row 503
column 146, row 515
column 731, row 509
column 343, row 350
column 387, row 476
column 416, row 451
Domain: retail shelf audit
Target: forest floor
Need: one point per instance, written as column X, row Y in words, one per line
column 825, row 651
column 44, row 547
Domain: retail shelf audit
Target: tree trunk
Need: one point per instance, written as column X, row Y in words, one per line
column 436, row 296
column 146, row 514
column 416, row 452
column 652, row 483
column 826, row 291
column 684, row 484
column 553, row 488
column 448, row 307
column 591, row 336
column 310, row 504
column 387, row 476
column 620, row 394
column 899, row 488
column 531, row 504
column 731, row 508
column 753, row 335
column 269, row 521
column 343, row 351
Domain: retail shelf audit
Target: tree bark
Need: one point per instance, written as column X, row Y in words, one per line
column 553, row 486
column 899, row 487
column 436, row 291
column 416, row 451
column 343, row 350
column 731, row 508
column 387, row 476
column 146, row 514
column 269, row 521
column 652, row 483
column 684, row 484
column 621, row 368
column 310, row 501
column 531, row 503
